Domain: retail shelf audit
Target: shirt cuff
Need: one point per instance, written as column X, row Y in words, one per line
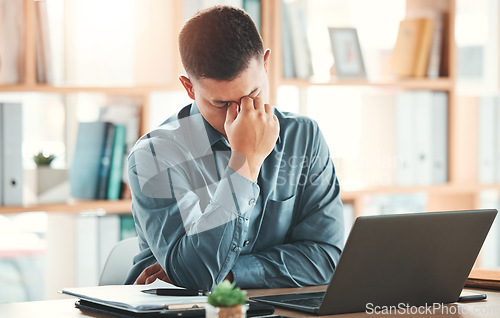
column 244, row 193
column 248, row 272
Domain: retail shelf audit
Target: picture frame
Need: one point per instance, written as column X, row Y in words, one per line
column 347, row 53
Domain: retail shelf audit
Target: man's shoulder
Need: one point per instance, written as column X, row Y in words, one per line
column 169, row 133
column 292, row 121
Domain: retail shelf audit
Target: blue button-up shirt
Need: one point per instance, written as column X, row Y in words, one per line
column 200, row 219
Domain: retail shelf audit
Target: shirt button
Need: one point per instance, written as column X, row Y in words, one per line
column 251, row 202
column 235, row 249
column 246, row 243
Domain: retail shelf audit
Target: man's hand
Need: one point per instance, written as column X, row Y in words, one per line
column 252, row 133
column 150, row 274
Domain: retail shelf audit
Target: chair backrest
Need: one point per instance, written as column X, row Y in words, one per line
column 119, row 262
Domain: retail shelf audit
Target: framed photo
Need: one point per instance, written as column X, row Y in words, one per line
column 347, row 53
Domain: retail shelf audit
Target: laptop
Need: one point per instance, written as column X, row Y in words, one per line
column 388, row 260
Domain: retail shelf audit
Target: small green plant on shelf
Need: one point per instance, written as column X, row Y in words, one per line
column 43, row 161
column 226, row 300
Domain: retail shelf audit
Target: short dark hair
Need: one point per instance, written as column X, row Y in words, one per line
column 219, row 43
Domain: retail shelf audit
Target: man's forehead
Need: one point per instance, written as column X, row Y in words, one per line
column 215, row 90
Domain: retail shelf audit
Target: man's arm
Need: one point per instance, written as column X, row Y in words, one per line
column 197, row 246
column 312, row 251
column 193, row 243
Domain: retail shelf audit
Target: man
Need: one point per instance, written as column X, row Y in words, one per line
column 231, row 188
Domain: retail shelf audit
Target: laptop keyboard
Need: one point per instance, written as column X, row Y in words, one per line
column 314, row 302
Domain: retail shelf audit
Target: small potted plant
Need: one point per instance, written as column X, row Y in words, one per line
column 43, row 161
column 226, row 301
column 45, row 184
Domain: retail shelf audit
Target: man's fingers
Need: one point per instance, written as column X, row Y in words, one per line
column 158, row 275
column 141, row 280
column 268, row 108
column 258, row 104
column 232, row 113
column 152, row 269
column 147, row 272
column 247, row 104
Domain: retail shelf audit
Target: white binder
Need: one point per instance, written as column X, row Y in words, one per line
column 11, row 160
column 439, row 138
column 497, row 142
column 406, row 171
column 423, row 137
column 1, row 155
column 487, row 139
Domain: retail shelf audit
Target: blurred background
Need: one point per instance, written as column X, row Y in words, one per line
column 405, row 93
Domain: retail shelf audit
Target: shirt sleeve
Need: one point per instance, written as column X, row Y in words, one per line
column 311, row 253
column 196, row 245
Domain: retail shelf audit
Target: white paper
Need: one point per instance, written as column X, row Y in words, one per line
column 132, row 297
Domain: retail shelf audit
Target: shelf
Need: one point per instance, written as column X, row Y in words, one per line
column 131, row 90
column 104, row 206
column 124, row 206
column 445, row 189
column 441, row 84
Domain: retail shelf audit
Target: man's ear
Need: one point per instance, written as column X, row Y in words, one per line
column 188, row 86
column 267, row 53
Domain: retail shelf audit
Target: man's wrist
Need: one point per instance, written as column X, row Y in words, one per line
column 239, row 163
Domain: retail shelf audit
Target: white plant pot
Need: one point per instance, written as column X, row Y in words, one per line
column 237, row 311
column 46, row 185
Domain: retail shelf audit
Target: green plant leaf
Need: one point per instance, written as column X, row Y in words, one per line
column 41, row 160
column 226, row 294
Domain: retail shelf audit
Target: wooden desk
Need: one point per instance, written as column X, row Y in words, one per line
column 66, row 307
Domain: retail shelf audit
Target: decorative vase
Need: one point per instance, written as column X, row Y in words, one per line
column 236, row 311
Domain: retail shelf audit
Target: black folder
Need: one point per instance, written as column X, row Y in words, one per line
column 255, row 309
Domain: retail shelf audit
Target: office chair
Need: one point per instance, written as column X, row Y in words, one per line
column 119, row 262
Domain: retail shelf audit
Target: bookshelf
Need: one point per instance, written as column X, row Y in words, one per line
column 461, row 190
column 440, row 84
column 28, row 83
column 74, row 206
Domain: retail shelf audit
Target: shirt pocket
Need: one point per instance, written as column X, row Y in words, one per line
column 278, row 218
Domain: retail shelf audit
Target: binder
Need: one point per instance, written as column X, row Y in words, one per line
column 497, row 142
column 105, row 163
column 406, row 168
column 108, row 235
column 440, row 138
column 88, row 167
column 130, row 301
column 87, row 250
column 1, row 155
column 287, row 50
column 255, row 309
column 252, row 7
column 11, row 161
column 300, row 44
column 116, row 169
column 423, row 137
column 487, row 139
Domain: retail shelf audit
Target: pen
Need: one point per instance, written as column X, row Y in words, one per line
column 185, row 306
column 174, row 292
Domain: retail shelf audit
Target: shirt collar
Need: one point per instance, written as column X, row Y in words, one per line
column 213, row 135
